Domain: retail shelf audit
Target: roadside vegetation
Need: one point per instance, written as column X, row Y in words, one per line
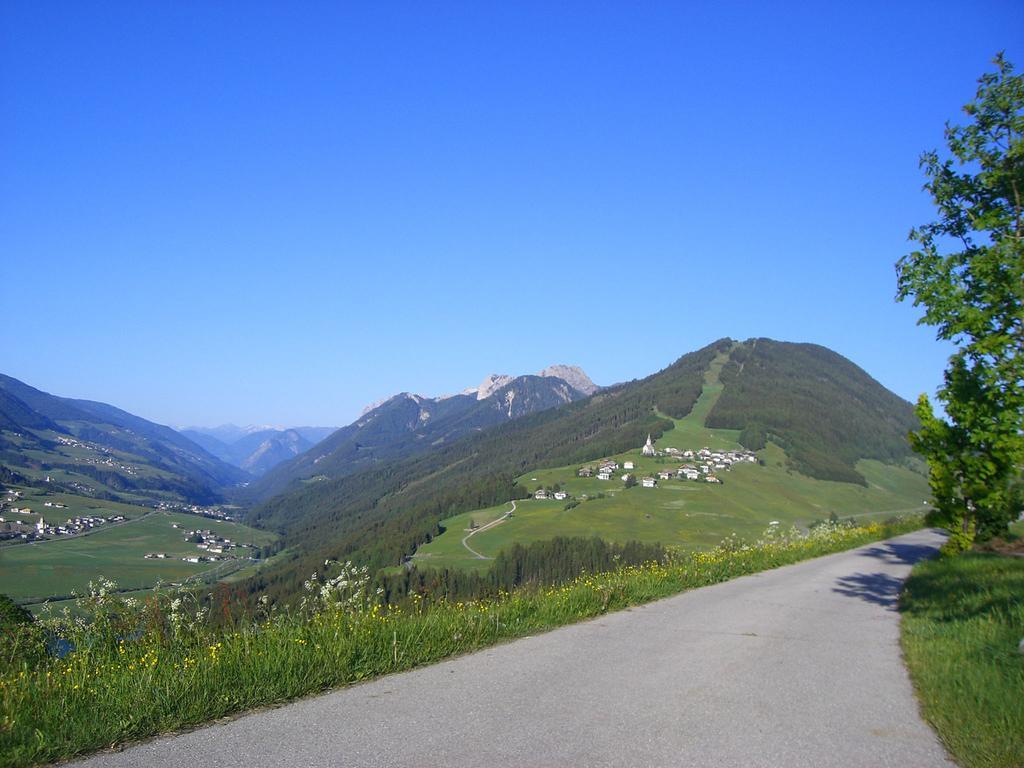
column 135, row 668
column 963, row 618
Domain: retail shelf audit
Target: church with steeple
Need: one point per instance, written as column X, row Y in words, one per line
column 648, row 449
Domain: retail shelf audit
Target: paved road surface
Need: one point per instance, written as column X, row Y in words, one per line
column 794, row 667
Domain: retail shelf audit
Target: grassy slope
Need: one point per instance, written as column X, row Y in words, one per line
column 87, row 457
column 963, row 618
column 691, row 514
column 57, row 567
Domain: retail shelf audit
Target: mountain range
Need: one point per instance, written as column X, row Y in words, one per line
column 377, row 489
column 348, row 499
column 94, row 449
column 407, row 424
column 256, row 449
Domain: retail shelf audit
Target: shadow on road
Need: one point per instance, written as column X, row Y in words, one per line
column 882, row 588
column 878, row 588
column 901, row 554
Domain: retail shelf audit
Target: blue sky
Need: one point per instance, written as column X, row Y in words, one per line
column 277, row 212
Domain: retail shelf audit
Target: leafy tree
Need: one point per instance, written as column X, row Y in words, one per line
column 968, row 275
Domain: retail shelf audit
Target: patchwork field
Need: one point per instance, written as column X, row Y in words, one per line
column 688, row 514
column 39, row 570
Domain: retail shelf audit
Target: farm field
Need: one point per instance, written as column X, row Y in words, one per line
column 687, row 514
column 38, row 570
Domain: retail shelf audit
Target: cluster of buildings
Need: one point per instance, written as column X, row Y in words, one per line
column 542, row 494
column 705, row 462
column 214, row 513
column 74, row 525
column 40, row 529
column 699, row 465
column 108, row 461
column 604, row 470
column 211, row 545
column 73, row 443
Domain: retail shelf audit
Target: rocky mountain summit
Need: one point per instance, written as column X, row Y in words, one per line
column 572, row 375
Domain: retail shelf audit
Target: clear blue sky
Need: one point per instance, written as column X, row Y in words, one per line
column 277, row 212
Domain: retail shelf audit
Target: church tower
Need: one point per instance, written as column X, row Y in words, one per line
column 648, row 447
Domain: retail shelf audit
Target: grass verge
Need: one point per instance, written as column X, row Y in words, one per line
column 963, row 618
column 140, row 669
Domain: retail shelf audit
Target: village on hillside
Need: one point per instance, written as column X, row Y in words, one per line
column 703, row 465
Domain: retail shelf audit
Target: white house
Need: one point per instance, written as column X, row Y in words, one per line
column 627, row 465
column 561, row 495
column 649, row 482
column 604, row 476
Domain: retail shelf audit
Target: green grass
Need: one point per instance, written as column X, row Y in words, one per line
column 692, row 515
column 963, row 618
column 689, row 431
column 172, row 676
column 688, row 514
column 56, row 567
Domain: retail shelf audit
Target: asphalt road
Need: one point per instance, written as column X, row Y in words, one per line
column 794, row 667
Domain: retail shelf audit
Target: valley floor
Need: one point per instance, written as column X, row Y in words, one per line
column 51, row 569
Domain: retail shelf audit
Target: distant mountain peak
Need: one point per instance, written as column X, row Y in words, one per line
column 490, row 385
column 573, row 375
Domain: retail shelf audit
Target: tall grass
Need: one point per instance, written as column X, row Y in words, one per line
column 963, row 618
column 138, row 669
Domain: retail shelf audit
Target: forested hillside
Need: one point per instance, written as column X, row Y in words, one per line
column 407, row 425
column 382, row 514
column 822, row 409
column 95, row 449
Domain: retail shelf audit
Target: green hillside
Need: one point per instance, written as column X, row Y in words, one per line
column 684, row 513
column 380, row 515
column 825, row 411
column 92, row 449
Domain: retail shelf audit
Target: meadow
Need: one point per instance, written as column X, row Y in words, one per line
column 141, row 668
column 52, row 569
column 689, row 514
column 962, row 621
